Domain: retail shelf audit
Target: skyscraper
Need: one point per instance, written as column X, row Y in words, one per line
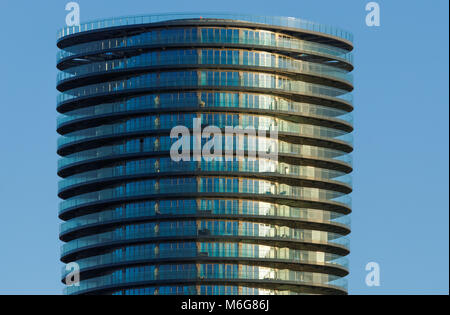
column 138, row 222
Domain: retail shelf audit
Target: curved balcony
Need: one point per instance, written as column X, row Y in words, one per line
column 296, row 154
column 162, row 167
column 214, row 289
column 162, row 124
column 232, row 186
column 299, row 25
column 231, row 37
column 166, row 253
column 169, row 231
column 300, row 218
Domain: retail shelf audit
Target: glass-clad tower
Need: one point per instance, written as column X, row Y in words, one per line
column 137, row 222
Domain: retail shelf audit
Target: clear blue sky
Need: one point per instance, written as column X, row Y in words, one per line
column 401, row 199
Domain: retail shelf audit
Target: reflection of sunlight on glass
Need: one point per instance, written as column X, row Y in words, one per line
column 264, row 230
column 265, row 292
column 213, row 210
column 266, row 273
column 264, row 251
column 320, row 257
column 264, row 208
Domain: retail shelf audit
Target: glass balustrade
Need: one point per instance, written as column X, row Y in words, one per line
column 230, row 35
column 202, row 206
column 226, row 79
column 164, row 144
column 185, row 185
column 206, row 100
column 167, row 165
column 209, row 272
column 190, row 250
column 221, row 120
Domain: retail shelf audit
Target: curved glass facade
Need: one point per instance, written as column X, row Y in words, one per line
column 139, row 223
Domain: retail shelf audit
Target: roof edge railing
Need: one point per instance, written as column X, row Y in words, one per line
column 155, row 18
